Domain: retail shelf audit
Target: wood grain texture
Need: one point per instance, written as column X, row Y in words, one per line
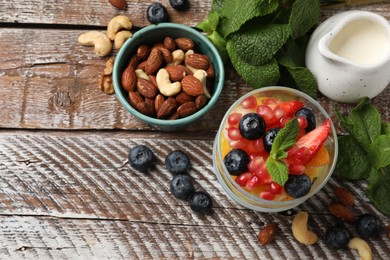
column 73, row 196
column 93, row 12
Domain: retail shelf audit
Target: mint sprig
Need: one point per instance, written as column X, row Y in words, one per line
column 286, row 138
column 364, row 153
column 254, row 35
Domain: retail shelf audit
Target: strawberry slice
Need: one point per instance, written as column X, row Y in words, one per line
column 313, row 141
column 291, row 106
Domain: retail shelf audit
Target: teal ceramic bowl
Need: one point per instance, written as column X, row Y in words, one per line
column 156, row 33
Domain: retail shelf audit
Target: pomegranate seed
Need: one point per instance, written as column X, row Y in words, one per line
column 302, row 121
column 249, row 103
column 238, row 144
column 265, row 112
column 293, row 150
column 256, row 164
column 296, row 169
column 233, row 133
column 275, row 188
column 270, row 101
column 243, row 178
column 263, row 175
column 234, row 118
column 284, row 120
column 266, row 195
column 259, row 145
column 279, row 112
column 301, row 155
column 252, row 183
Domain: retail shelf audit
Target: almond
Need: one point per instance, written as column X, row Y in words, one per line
column 146, row 88
column 177, row 72
column 184, row 43
column 145, row 109
column 167, row 55
column 192, row 86
column 120, row 4
column 201, row 101
column 174, row 116
column 153, row 80
column 182, row 98
column 342, row 212
column 142, row 65
column 134, row 61
column 186, row 109
column 150, row 103
column 210, row 71
column 267, row 234
column 197, row 61
column 135, row 98
column 143, row 52
column 169, row 43
column 158, row 101
column 129, row 79
column 167, row 108
column 154, row 61
column 344, row 196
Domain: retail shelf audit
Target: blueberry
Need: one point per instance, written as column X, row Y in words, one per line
column 141, row 158
column 180, row 5
column 182, row 186
column 156, row 13
column 367, row 226
column 337, row 236
column 251, row 126
column 311, row 119
column 177, row 162
column 201, row 202
column 236, row 161
column 297, row 185
column 269, row 138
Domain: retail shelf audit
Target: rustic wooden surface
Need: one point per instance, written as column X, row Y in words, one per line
column 66, row 190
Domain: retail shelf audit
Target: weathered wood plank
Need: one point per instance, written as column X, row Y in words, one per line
column 66, row 196
column 93, row 12
column 49, row 81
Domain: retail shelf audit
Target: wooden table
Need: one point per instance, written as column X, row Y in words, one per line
column 66, row 190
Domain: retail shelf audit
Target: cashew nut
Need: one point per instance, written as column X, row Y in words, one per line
column 178, row 57
column 300, row 231
column 101, row 42
column 363, row 248
column 121, row 37
column 166, row 87
column 139, row 73
column 202, row 76
column 116, row 24
column 189, row 52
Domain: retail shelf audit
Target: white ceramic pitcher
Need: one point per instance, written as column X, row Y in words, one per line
column 349, row 54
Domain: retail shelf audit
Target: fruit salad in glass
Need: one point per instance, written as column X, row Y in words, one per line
column 275, row 148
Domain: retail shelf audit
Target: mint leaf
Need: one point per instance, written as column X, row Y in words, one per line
column 353, row 161
column 304, row 15
column 380, row 151
column 217, row 5
column 386, row 128
column 379, row 189
column 238, row 12
column 278, row 170
column 209, row 24
column 304, row 80
column 258, row 44
column 366, row 121
column 220, row 44
column 256, row 76
column 286, row 138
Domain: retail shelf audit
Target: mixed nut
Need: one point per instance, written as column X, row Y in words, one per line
column 168, row 80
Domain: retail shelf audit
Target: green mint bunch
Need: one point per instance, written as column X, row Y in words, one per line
column 265, row 40
column 364, row 153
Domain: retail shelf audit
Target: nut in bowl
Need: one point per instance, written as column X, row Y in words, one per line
column 275, row 148
column 168, row 75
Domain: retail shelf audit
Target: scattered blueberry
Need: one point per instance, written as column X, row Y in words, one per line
column 367, row 225
column 297, row 185
column 141, row 158
column 337, row 236
column 236, row 161
column 201, row 202
column 180, row 5
column 157, row 13
column 177, row 162
column 269, row 138
column 182, row 186
column 252, row 126
column 311, row 119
